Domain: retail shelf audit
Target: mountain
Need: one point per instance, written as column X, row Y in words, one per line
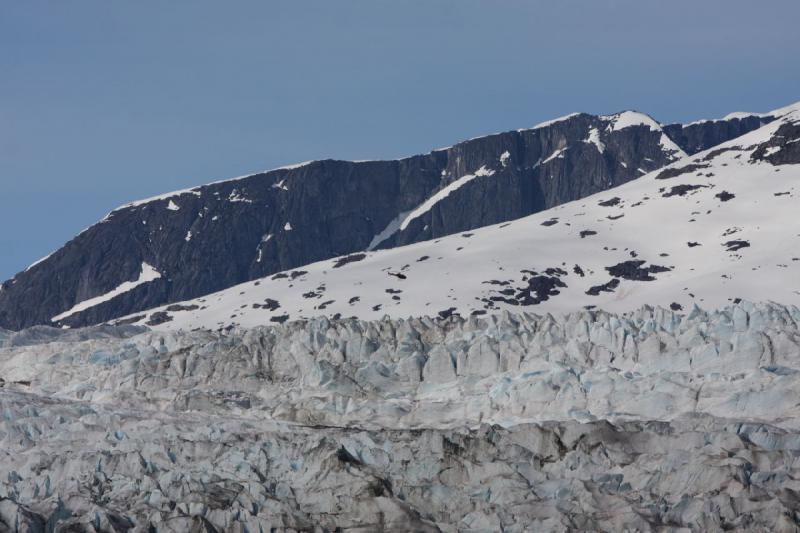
column 191, row 243
column 610, row 363
column 708, row 229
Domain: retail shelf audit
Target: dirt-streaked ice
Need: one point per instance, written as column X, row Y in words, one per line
column 505, row 422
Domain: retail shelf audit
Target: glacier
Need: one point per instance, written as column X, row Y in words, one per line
column 590, row 420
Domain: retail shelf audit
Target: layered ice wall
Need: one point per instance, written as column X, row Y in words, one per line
column 590, row 420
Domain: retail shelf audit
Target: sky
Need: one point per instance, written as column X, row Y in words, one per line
column 103, row 101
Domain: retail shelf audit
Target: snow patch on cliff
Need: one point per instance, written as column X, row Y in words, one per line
column 444, row 193
column 147, row 274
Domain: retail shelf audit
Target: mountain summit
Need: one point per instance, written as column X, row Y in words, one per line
column 709, row 229
column 191, row 243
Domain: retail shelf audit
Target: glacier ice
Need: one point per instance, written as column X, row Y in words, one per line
column 649, row 420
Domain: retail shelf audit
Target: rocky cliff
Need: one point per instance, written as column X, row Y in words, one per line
column 191, row 243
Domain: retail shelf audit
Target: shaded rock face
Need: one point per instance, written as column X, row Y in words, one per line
column 545, row 168
column 783, row 148
column 650, row 421
column 219, row 235
column 701, row 136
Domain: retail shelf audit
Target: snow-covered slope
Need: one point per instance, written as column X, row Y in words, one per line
column 210, row 238
column 709, row 229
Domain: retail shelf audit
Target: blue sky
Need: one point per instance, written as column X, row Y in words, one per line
column 102, row 102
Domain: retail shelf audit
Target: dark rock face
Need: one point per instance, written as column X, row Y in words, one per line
column 219, row 235
column 681, row 190
column 546, row 167
column 725, row 196
column 605, row 287
column 668, row 173
column 633, row 270
column 783, row 148
column 701, row 136
column 735, row 246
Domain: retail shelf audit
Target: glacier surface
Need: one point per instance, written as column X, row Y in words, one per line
column 648, row 420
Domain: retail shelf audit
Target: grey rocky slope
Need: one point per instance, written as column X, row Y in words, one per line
column 216, row 236
column 591, row 421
